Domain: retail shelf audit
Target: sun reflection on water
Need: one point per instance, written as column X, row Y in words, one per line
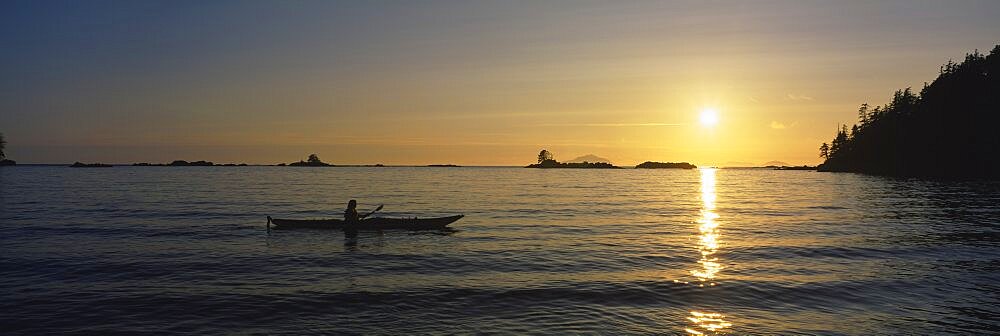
column 708, row 229
column 707, row 323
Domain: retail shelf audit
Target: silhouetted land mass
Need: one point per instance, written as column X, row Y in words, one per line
column 312, row 161
column 665, row 165
column 3, row 156
column 589, row 158
column 195, row 163
column 443, row 165
column 309, row 164
column 354, row 165
column 547, row 160
column 948, row 130
column 79, row 164
column 555, row 164
column 182, row 163
column 802, row 167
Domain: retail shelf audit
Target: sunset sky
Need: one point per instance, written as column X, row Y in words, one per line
column 463, row 82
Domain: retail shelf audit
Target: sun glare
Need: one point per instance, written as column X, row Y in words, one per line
column 709, row 117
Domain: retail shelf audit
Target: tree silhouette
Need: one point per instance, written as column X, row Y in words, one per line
column 544, row 155
column 824, row 151
column 3, row 144
column 947, row 130
column 313, row 158
column 863, row 114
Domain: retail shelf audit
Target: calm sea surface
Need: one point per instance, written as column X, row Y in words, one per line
column 674, row 252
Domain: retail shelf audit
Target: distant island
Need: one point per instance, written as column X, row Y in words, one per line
column 546, row 160
column 3, row 157
column 948, row 130
column 79, row 164
column 802, row 167
column 556, row 164
column 591, row 158
column 775, row 164
column 443, row 165
column 182, row 163
column 312, row 161
column 665, row 165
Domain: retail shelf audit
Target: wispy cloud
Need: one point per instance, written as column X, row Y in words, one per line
column 777, row 125
column 792, row 96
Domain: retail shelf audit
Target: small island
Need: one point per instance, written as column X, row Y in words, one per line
column 312, row 161
column 79, row 164
column 443, row 165
column 802, row 167
column 546, row 160
column 665, row 165
column 3, row 157
column 182, row 163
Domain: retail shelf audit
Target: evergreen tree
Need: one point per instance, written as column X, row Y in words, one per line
column 863, row 114
column 544, row 155
column 945, row 130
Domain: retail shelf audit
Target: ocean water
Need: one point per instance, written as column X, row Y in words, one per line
column 671, row 252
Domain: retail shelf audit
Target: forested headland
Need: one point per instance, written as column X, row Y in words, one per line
column 665, row 165
column 950, row 129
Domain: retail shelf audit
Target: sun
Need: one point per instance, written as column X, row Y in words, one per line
column 709, row 117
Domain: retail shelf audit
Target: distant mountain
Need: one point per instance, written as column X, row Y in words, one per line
column 589, row 158
column 776, row 164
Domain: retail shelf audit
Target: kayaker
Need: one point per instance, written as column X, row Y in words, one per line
column 351, row 219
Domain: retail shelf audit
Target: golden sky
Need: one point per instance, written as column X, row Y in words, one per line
column 487, row 83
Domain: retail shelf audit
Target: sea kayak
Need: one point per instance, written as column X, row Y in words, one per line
column 377, row 223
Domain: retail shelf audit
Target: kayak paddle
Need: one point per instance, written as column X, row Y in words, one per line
column 373, row 211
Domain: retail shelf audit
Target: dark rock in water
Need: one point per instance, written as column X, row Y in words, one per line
column 665, row 165
column 79, row 164
column 443, row 165
column 8, row 163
